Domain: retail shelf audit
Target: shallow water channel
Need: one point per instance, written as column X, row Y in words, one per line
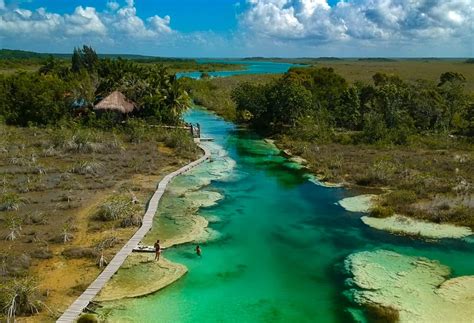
column 278, row 243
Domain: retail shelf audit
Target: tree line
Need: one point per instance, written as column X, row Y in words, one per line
column 56, row 90
column 317, row 103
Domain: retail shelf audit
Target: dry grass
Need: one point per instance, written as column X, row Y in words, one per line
column 52, row 182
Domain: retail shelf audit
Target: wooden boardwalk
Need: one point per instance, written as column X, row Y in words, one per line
column 76, row 308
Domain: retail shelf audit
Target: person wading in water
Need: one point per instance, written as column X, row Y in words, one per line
column 198, row 250
column 157, row 250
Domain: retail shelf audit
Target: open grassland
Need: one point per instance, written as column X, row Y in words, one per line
column 409, row 70
column 70, row 198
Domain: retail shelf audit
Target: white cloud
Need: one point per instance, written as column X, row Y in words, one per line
column 84, row 21
column 315, row 21
column 112, row 5
column 85, row 24
column 160, row 25
column 20, row 22
column 266, row 27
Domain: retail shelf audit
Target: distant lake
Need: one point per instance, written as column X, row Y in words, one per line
column 250, row 67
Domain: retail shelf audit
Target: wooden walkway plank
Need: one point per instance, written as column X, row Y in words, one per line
column 76, row 308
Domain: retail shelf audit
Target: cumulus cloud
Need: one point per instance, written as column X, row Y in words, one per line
column 84, row 21
column 84, row 24
column 112, row 5
column 266, row 27
column 24, row 22
column 160, row 25
column 316, row 21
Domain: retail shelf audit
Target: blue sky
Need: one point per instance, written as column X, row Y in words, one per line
column 188, row 15
column 237, row 28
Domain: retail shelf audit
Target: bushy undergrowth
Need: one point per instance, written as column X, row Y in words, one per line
column 381, row 211
column 11, row 202
column 20, row 297
column 120, row 208
column 84, row 140
column 86, row 167
column 87, row 318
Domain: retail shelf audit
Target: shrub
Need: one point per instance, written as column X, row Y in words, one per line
column 11, row 202
column 20, row 297
column 14, row 266
column 117, row 208
column 131, row 221
column 180, row 140
column 41, row 253
column 402, row 197
column 82, row 141
column 381, row 212
column 14, row 227
column 88, row 318
column 460, row 214
column 106, row 243
column 343, row 138
column 78, row 252
column 86, row 167
column 136, row 130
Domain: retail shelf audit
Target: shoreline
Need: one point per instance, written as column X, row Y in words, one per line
column 124, row 285
column 400, row 224
column 77, row 307
column 181, row 204
column 388, row 224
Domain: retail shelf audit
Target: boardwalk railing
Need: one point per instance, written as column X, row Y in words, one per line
column 76, row 308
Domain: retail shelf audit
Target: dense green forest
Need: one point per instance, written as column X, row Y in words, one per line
column 17, row 60
column 53, row 93
column 317, row 103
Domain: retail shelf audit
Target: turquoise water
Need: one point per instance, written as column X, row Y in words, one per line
column 280, row 254
column 251, row 67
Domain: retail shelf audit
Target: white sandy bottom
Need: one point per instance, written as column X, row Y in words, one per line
column 418, row 288
column 314, row 179
column 404, row 225
column 360, row 203
column 400, row 224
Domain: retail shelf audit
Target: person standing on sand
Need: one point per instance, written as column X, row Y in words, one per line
column 157, row 250
column 198, row 250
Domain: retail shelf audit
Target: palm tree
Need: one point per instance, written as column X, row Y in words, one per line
column 176, row 99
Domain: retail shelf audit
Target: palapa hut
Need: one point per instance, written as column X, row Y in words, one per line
column 115, row 102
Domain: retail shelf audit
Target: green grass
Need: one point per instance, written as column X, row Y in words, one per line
column 410, row 70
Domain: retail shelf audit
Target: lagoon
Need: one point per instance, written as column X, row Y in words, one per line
column 279, row 243
column 251, row 67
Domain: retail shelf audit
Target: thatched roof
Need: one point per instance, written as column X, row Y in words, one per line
column 115, row 101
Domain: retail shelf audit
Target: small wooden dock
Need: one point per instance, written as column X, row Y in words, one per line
column 76, row 308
